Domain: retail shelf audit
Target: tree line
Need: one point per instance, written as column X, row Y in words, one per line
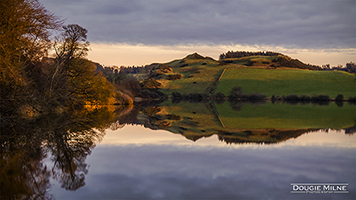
column 240, row 54
column 350, row 67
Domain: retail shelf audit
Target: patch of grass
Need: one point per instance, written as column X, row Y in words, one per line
column 285, row 116
column 288, row 81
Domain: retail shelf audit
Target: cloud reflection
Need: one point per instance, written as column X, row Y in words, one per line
column 181, row 172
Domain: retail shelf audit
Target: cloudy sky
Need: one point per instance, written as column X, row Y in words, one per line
column 133, row 32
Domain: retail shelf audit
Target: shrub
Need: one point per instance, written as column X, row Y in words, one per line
column 256, row 97
column 320, row 98
column 292, row 97
column 339, row 97
column 219, row 95
column 276, row 98
column 176, row 95
column 151, row 84
column 250, row 63
column 352, row 100
column 236, row 93
column 174, row 77
column 195, row 97
column 305, row 98
column 173, row 117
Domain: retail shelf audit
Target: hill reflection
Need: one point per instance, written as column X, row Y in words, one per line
column 68, row 137
column 265, row 123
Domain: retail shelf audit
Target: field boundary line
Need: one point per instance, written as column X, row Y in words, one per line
column 217, row 115
column 221, row 121
column 217, row 82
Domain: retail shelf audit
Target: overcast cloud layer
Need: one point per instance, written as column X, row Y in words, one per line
column 316, row 24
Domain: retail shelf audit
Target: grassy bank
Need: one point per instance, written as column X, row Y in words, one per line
column 288, row 81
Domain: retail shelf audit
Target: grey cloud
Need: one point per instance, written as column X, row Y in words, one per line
column 302, row 24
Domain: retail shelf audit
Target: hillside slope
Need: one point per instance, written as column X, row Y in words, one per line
column 271, row 75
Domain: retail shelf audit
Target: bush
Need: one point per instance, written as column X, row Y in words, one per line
column 219, row 95
column 292, row 97
column 176, row 95
column 174, row 77
column 305, row 98
column 151, row 84
column 352, row 100
column 236, row 93
column 195, row 97
column 320, row 98
column 256, row 97
column 339, row 97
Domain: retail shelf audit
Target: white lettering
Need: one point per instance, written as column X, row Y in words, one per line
column 326, row 187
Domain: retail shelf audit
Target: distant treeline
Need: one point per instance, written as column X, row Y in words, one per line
column 285, row 61
column 241, row 54
column 350, row 67
column 129, row 69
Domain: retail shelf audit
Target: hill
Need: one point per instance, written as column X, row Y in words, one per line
column 269, row 73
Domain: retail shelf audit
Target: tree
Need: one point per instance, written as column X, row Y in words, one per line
column 25, row 30
column 25, row 27
column 83, row 85
column 71, row 44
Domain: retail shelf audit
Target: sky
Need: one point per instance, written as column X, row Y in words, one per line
column 139, row 32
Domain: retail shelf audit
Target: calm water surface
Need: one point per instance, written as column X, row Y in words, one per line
column 181, row 151
column 138, row 163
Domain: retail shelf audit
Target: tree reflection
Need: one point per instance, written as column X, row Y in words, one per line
column 68, row 137
column 23, row 174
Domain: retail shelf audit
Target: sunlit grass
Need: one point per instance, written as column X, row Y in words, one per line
column 289, row 81
column 196, row 79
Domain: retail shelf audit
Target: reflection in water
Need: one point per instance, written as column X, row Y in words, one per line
column 69, row 137
column 176, row 168
column 154, row 163
column 263, row 123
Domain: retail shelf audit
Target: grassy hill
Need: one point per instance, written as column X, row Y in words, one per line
column 271, row 75
column 268, row 123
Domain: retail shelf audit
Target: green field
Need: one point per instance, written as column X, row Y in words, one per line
column 286, row 116
column 288, row 81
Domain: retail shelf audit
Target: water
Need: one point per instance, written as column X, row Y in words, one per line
column 134, row 162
